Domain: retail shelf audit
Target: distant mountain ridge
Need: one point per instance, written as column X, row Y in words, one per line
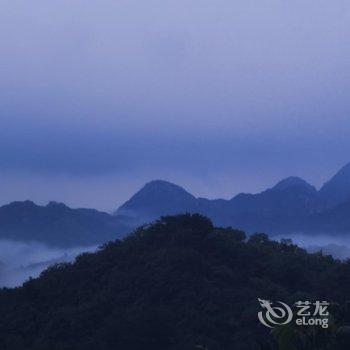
column 58, row 225
column 292, row 205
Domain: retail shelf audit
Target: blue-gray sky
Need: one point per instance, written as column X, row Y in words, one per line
column 98, row 97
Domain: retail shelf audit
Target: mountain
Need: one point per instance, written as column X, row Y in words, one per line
column 331, row 221
column 178, row 284
column 280, row 208
column 292, row 205
column 292, row 195
column 337, row 190
column 157, row 198
column 270, row 210
column 294, row 183
column 58, row 225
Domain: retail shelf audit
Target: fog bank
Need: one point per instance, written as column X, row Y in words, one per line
column 19, row 260
column 335, row 245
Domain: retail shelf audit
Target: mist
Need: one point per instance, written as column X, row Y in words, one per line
column 19, row 261
column 335, row 245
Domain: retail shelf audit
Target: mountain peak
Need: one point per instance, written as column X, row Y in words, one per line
column 161, row 184
column 54, row 204
column 162, row 188
column 156, row 198
column 21, row 205
column 343, row 174
column 295, row 183
column 337, row 189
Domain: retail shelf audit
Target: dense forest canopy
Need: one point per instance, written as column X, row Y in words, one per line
column 177, row 284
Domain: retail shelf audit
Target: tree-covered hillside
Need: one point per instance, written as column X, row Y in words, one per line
column 178, row 284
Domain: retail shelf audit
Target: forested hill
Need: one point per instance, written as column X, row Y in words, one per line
column 178, row 284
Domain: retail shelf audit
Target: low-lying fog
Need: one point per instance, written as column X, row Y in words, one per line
column 337, row 246
column 19, row 261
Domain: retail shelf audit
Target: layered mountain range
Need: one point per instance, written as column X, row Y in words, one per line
column 291, row 206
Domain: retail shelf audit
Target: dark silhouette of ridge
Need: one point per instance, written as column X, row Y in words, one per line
column 269, row 210
column 157, row 197
column 292, row 205
column 58, row 225
column 177, row 284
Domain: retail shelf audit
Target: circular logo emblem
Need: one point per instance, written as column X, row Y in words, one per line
column 274, row 314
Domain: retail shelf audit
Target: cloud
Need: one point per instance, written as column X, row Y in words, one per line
column 188, row 91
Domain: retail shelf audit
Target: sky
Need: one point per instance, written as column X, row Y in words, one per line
column 220, row 97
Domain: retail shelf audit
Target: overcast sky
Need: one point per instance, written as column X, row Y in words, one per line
column 98, row 97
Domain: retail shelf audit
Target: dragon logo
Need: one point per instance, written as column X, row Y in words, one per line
column 274, row 315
